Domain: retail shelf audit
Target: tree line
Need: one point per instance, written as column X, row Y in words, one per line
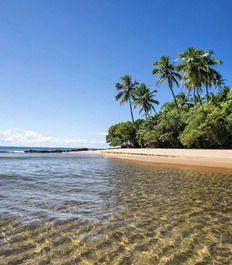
column 197, row 119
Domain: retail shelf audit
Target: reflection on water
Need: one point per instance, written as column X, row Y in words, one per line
column 77, row 209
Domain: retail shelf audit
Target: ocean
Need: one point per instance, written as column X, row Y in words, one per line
column 13, row 149
column 73, row 208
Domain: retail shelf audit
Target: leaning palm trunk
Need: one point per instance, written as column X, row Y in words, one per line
column 194, row 95
column 174, row 98
column 132, row 116
column 199, row 96
column 207, row 93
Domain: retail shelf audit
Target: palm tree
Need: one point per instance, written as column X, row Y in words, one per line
column 212, row 77
column 192, row 67
column 144, row 99
column 166, row 69
column 125, row 88
column 197, row 71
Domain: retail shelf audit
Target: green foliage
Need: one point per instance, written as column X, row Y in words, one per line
column 208, row 128
column 122, row 134
column 182, row 122
column 170, row 125
column 165, row 131
column 145, row 133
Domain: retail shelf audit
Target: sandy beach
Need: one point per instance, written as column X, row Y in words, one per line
column 188, row 157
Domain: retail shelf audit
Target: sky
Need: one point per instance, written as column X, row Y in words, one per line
column 60, row 60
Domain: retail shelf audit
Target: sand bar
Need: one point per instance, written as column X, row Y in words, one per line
column 188, row 157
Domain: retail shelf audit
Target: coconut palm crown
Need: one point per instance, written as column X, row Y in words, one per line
column 212, row 77
column 197, row 70
column 166, row 70
column 125, row 89
column 144, row 99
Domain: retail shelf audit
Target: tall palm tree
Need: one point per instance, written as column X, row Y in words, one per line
column 197, row 71
column 125, row 88
column 167, row 73
column 211, row 76
column 144, row 99
column 191, row 67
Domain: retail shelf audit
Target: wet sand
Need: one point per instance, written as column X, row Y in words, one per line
column 189, row 157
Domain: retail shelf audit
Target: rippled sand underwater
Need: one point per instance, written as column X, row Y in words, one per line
column 79, row 209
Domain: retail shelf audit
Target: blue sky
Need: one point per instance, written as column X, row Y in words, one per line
column 60, row 60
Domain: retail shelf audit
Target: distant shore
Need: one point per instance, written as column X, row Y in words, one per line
column 44, row 150
column 185, row 157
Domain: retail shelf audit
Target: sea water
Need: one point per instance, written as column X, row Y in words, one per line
column 86, row 209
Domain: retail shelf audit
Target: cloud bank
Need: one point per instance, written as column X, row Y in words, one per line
column 17, row 137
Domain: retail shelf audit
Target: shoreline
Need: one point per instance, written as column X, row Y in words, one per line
column 210, row 158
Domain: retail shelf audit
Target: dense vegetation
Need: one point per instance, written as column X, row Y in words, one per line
column 197, row 119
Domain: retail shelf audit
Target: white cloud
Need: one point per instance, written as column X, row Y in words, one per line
column 17, row 137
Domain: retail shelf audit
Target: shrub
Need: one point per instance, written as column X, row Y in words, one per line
column 122, row 134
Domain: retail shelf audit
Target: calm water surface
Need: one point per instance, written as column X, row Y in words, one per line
column 71, row 209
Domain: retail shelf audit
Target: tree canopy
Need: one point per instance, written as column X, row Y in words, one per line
column 196, row 119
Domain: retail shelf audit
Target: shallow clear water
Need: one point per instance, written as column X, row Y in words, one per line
column 85, row 209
